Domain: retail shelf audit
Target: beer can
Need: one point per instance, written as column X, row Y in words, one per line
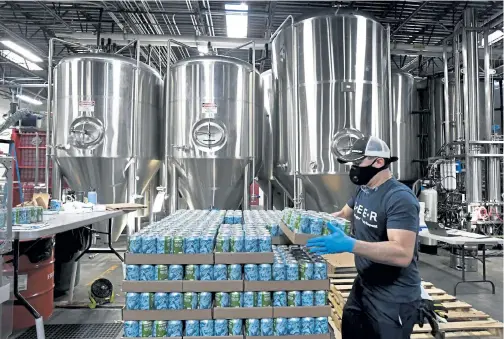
column 320, row 270
column 222, row 299
column 251, row 243
column 234, row 272
column 279, row 299
column 206, row 272
column 307, row 298
column 320, row 298
column 294, row 326
column 159, row 328
column 306, row 270
column 192, row 328
column 146, row 301
column 292, row 270
column 161, row 301
column 175, row 301
column 178, row 244
column 321, row 325
column 206, row 244
column 174, row 328
column 307, row 326
column 249, row 299
column 191, row 244
column 222, row 243
column 266, row 327
column 279, row 271
column 134, row 244
column 304, row 224
column 133, row 272
column 235, row 327
column 191, row 272
column 252, row 327
column 145, row 328
column 316, row 226
column 294, row 299
column 251, row 272
column 237, row 243
column 280, row 327
column 147, row 272
column 275, row 230
column 149, row 244
column 205, row 300
column 175, row 272
column 265, row 243
column 190, row 300
column 160, row 272
column 235, row 299
column 160, row 244
column 264, row 272
column 132, row 301
column 221, row 328
column 263, row 299
column 131, row 329
column 206, row 328
column 220, row 272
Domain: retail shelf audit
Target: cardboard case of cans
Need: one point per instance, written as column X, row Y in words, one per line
column 207, row 232
column 311, row 222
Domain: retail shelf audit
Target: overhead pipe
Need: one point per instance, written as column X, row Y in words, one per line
column 447, row 118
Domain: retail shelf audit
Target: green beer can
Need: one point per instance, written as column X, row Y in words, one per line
column 235, row 299
column 159, row 329
column 178, row 245
column 145, row 328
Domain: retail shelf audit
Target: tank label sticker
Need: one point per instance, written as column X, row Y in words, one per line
column 208, row 108
column 86, row 105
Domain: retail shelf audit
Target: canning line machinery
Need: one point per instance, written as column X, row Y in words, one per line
column 216, row 123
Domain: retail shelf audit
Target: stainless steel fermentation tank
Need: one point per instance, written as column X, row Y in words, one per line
column 100, row 141
column 342, row 78
column 213, row 123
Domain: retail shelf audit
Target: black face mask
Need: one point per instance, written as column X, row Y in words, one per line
column 362, row 175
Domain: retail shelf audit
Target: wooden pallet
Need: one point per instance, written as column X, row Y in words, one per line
column 463, row 320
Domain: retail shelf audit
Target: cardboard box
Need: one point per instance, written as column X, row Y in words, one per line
column 300, row 312
column 228, row 337
column 280, row 240
column 168, row 259
column 296, row 238
column 152, row 286
column 297, row 285
column 213, row 286
column 313, row 336
column 167, row 315
column 242, row 312
column 244, row 258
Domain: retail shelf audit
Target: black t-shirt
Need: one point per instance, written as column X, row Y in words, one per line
column 391, row 205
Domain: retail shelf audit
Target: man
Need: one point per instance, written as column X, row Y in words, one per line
column 385, row 296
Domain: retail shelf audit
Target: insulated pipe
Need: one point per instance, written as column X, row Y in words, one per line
column 447, row 120
column 167, row 126
column 49, row 119
column 488, row 114
column 246, row 187
column 459, row 132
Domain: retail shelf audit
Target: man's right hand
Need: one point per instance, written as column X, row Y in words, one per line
column 338, row 214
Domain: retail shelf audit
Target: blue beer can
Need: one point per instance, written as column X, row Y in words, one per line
column 249, row 299
column 132, row 301
column 307, row 326
column 205, row 300
column 316, row 226
column 264, row 272
column 206, row 328
column 280, row 327
column 191, row 244
column 321, row 325
column 235, row 327
column 221, row 299
column 234, row 272
column 221, row 328
column 149, row 244
column 131, row 329
column 220, row 272
column 266, row 327
column 134, row 244
column 133, row 272
column 279, row 271
column 306, row 270
column 160, row 244
column 279, row 299
column 237, row 243
column 307, row 298
column 147, row 273
column 264, row 243
column 275, row 230
column 305, row 224
column 161, row 301
column 251, row 272
column 206, row 272
column 175, row 301
column 320, row 298
column 251, row 243
column 174, row 328
column 294, row 326
column 292, row 271
column 294, row 299
column 146, row 301
column 206, row 244
column 192, row 328
column 320, row 270
column 175, row 272
column 252, row 327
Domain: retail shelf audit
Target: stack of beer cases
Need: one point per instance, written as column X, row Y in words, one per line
column 215, row 273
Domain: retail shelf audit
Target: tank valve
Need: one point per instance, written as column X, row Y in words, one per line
column 65, row 147
column 283, row 166
column 183, row 148
column 313, row 165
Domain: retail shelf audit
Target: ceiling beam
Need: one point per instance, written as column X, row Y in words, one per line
column 55, row 16
column 405, row 21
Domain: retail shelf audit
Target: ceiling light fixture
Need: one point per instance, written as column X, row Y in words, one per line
column 19, row 60
column 495, row 37
column 21, row 51
column 236, row 22
column 29, row 100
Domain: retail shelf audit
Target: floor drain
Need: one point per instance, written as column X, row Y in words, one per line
column 76, row 331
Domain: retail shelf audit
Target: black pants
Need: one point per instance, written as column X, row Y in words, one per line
column 366, row 317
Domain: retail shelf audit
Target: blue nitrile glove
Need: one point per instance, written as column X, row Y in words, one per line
column 336, row 242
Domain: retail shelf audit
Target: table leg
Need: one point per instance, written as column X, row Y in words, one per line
column 474, row 281
column 104, row 250
column 39, row 322
column 110, row 241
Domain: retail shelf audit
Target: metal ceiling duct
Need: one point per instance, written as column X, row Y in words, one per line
column 99, row 139
column 342, row 95
column 213, row 123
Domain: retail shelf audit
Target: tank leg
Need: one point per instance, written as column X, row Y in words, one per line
column 72, row 281
column 246, row 188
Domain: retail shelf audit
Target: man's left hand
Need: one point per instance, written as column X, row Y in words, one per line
column 336, row 242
